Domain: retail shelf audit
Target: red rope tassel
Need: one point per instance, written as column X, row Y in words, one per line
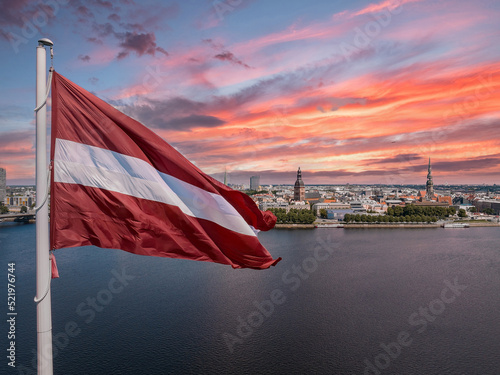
column 55, row 272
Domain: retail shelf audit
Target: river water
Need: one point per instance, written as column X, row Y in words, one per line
column 342, row 301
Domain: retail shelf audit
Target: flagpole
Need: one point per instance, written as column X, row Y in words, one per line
column 43, row 273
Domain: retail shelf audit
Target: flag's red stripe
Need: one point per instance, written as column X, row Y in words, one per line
column 81, row 117
column 91, row 216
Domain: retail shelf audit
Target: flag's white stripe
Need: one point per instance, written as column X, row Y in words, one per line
column 77, row 163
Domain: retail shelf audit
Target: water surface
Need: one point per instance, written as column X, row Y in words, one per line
column 338, row 295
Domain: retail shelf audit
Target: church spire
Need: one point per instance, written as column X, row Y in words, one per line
column 430, row 184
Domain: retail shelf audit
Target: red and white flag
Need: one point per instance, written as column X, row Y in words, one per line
column 116, row 184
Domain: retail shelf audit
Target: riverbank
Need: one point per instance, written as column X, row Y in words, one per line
column 358, row 225
column 385, row 225
column 392, row 225
column 294, row 226
column 415, row 225
column 473, row 224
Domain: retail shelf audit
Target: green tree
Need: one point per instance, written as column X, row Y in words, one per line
column 398, row 211
column 253, row 192
column 410, row 210
column 24, row 209
column 293, row 216
column 3, row 209
column 462, row 213
column 323, row 213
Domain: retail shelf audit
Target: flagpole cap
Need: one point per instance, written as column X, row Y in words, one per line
column 45, row 42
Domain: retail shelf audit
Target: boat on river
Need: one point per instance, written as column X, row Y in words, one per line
column 456, row 225
column 328, row 225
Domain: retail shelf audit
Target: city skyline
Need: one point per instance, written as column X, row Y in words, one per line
column 362, row 93
column 244, row 178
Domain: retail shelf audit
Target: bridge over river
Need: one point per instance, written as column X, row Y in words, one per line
column 17, row 217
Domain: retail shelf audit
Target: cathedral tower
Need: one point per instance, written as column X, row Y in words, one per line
column 299, row 190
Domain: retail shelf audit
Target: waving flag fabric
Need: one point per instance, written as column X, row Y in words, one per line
column 116, row 184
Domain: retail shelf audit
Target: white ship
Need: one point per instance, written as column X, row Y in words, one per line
column 455, row 225
column 328, row 225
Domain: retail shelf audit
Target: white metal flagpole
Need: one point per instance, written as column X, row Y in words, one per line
column 43, row 270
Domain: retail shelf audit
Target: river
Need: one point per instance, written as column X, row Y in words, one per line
column 342, row 301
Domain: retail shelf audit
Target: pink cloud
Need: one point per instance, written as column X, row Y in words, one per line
column 390, row 5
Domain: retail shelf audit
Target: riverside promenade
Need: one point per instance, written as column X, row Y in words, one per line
column 384, row 225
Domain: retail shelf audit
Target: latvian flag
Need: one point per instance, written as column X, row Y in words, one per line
column 116, row 184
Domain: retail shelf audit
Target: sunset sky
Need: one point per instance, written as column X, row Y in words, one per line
column 351, row 91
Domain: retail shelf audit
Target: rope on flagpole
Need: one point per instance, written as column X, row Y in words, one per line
column 49, row 169
column 49, row 81
column 38, row 300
